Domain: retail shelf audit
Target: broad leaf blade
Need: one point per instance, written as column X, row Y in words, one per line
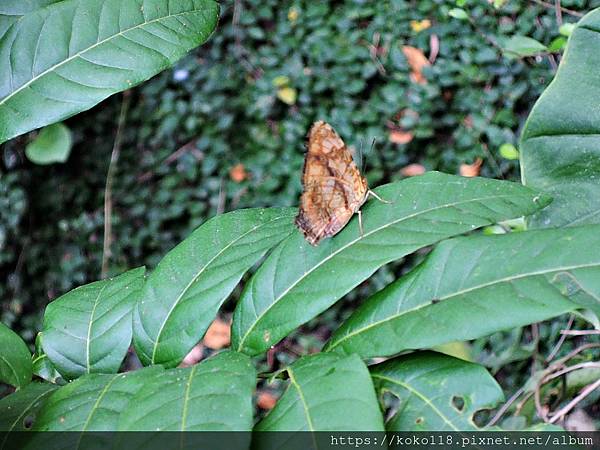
column 298, row 281
column 18, row 411
column 12, row 10
column 326, row 392
column 215, row 395
column 560, row 144
column 69, row 56
column 93, row 402
column 15, row 359
column 182, row 296
column 436, row 392
column 88, row 330
column 472, row 287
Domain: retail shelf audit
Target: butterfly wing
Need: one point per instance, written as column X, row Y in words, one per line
column 333, row 186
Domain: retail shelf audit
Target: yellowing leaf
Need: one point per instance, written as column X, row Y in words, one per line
column 287, row 95
column 420, row 25
column 281, row 81
column 293, row 14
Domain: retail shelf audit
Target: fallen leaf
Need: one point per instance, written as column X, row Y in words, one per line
column 412, row 170
column 417, row 61
column 401, row 137
column 420, row 25
column 266, row 400
column 193, row 357
column 238, row 173
column 434, row 47
column 218, row 335
column 471, row 170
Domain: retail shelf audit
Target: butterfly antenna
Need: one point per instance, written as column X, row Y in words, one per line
column 373, row 142
column 361, row 155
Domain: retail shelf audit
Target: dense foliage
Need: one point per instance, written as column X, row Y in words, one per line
column 223, row 130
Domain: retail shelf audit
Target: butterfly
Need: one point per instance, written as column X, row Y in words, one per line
column 334, row 188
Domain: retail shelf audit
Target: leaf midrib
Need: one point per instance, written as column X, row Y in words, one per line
column 302, row 400
column 84, row 51
column 195, row 278
column 89, row 331
column 352, row 242
column 458, row 293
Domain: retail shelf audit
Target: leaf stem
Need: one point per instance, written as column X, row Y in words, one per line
column 112, row 168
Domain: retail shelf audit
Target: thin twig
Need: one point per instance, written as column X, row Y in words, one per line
column 575, row 352
column 187, row 147
column 580, row 332
column 565, row 10
column 585, row 365
column 569, row 406
column 112, row 168
column 505, row 407
column 561, row 340
column 558, row 12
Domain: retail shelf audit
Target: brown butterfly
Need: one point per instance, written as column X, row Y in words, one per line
column 334, row 189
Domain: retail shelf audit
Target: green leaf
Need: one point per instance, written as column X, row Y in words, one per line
column 182, row 296
column 13, row 10
column 566, row 29
column 298, row 281
column 15, row 359
column 474, row 286
column 18, row 411
column 557, row 44
column 458, row 13
column 53, row 144
column 509, row 151
column 560, row 144
column 436, row 392
column 215, row 395
column 326, row 392
column 63, row 59
column 523, row 46
column 42, row 367
column 93, row 402
column 88, row 330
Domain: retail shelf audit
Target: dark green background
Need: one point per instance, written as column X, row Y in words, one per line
column 222, row 100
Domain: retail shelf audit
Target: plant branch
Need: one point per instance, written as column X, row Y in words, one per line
column 569, row 406
column 112, row 168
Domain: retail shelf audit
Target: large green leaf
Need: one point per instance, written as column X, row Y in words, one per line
column 12, row 10
column 215, row 395
column 182, row 296
column 69, row 56
column 473, row 286
column 88, row 330
column 436, row 392
column 326, row 392
column 560, row 145
column 298, row 281
column 18, row 411
column 15, row 359
column 93, row 402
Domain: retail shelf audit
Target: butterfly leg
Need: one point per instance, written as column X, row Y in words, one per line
column 360, row 226
column 373, row 194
